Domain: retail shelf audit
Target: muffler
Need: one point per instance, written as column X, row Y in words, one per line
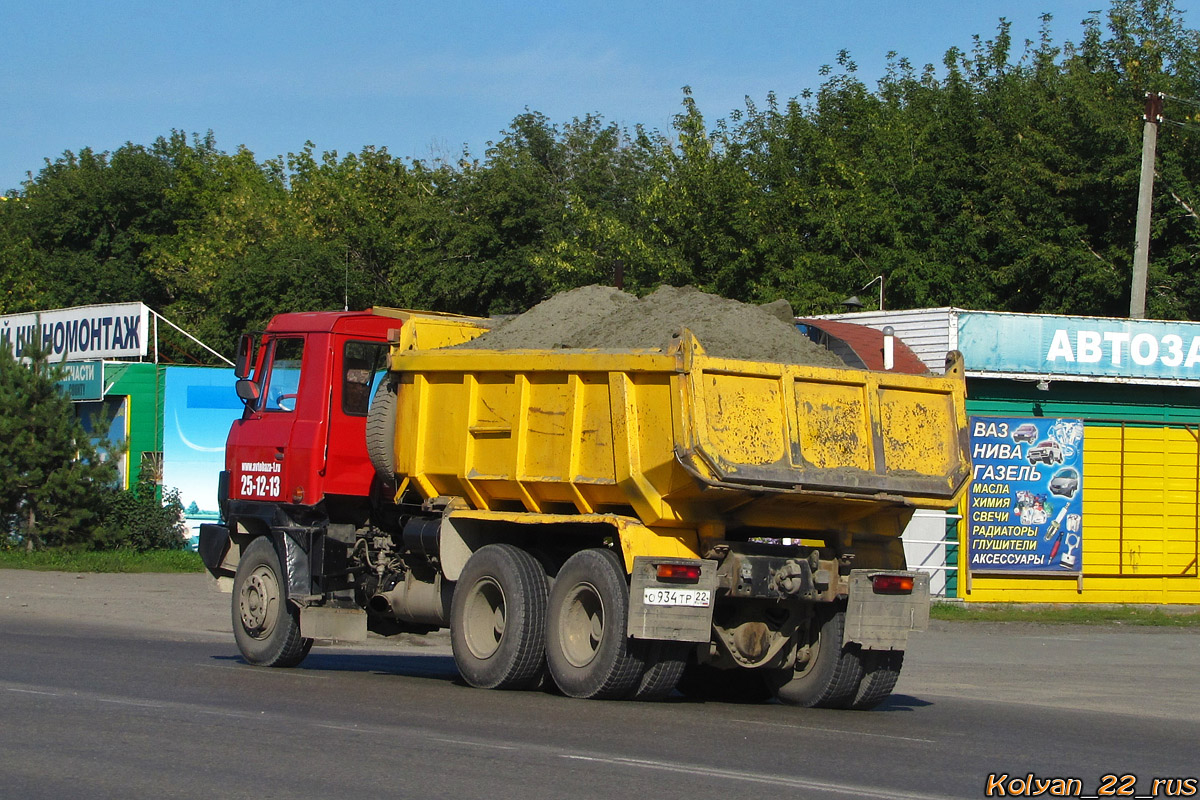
column 414, row 600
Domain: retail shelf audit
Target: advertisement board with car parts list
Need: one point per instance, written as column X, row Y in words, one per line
column 1025, row 503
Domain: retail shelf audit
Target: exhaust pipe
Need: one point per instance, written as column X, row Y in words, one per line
column 415, row 600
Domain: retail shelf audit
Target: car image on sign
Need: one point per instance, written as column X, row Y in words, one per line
column 1048, row 452
column 1065, row 483
column 1026, row 432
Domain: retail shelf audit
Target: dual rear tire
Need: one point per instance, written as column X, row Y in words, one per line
column 498, row 618
column 588, row 651
column 832, row 675
column 837, row 675
column 511, row 630
column 508, row 630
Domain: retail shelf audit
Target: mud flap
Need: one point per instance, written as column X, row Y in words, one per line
column 333, row 624
column 679, row 622
column 882, row 620
column 214, row 543
column 296, row 562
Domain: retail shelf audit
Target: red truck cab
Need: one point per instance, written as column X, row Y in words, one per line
column 301, row 439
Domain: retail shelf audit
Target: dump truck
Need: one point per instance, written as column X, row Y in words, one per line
column 618, row 524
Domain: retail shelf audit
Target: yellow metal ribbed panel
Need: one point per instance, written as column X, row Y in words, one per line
column 908, row 419
column 833, row 421
column 838, row 430
column 680, row 440
column 744, row 418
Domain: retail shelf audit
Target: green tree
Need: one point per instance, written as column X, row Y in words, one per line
column 227, row 208
column 19, row 289
column 137, row 520
column 92, row 219
column 499, row 216
column 53, row 480
column 1003, row 178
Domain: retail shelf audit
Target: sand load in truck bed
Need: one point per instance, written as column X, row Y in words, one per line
column 605, row 318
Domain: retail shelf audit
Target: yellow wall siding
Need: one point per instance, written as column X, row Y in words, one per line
column 1140, row 491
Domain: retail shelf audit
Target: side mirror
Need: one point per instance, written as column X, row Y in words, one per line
column 245, row 358
column 248, row 391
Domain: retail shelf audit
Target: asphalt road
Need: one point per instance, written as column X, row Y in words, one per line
column 104, row 693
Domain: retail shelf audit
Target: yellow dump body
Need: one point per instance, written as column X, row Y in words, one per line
column 679, row 439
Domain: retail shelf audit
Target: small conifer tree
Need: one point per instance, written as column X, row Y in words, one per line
column 54, row 481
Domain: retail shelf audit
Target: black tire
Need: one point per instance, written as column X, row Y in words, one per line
column 736, row 685
column 833, row 672
column 881, row 670
column 587, row 643
column 381, row 430
column 664, row 663
column 498, row 619
column 266, row 626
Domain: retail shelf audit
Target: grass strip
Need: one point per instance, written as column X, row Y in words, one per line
column 1084, row 614
column 69, row 560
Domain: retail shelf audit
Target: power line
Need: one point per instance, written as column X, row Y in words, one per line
column 1185, row 100
column 1184, row 125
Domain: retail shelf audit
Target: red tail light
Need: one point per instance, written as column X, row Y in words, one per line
column 892, row 584
column 679, row 572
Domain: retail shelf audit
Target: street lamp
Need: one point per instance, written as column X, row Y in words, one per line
column 852, row 303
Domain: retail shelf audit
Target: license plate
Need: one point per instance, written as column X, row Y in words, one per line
column 697, row 598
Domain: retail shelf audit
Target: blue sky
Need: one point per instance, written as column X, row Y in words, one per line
column 426, row 78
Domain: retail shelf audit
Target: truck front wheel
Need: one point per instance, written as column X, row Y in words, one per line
column 829, row 677
column 265, row 626
column 498, row 619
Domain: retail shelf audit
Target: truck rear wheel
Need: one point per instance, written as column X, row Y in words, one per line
column 664, row 665
column 830, row 677
column 498, row 619
column 266, row 626
column 882, row 668
column 587, row 644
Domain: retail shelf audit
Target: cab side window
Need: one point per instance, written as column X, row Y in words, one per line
column 363, row 365
column 283, row 376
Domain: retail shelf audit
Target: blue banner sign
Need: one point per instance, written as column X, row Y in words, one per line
column 1094, row 346
column 1025, row 504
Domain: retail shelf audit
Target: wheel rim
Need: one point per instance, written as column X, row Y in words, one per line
column 581, row 627
column 258, row 602
column 484, row 618
column 814, row 650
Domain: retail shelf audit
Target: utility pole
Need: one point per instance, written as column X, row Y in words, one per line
column 1141, row 246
